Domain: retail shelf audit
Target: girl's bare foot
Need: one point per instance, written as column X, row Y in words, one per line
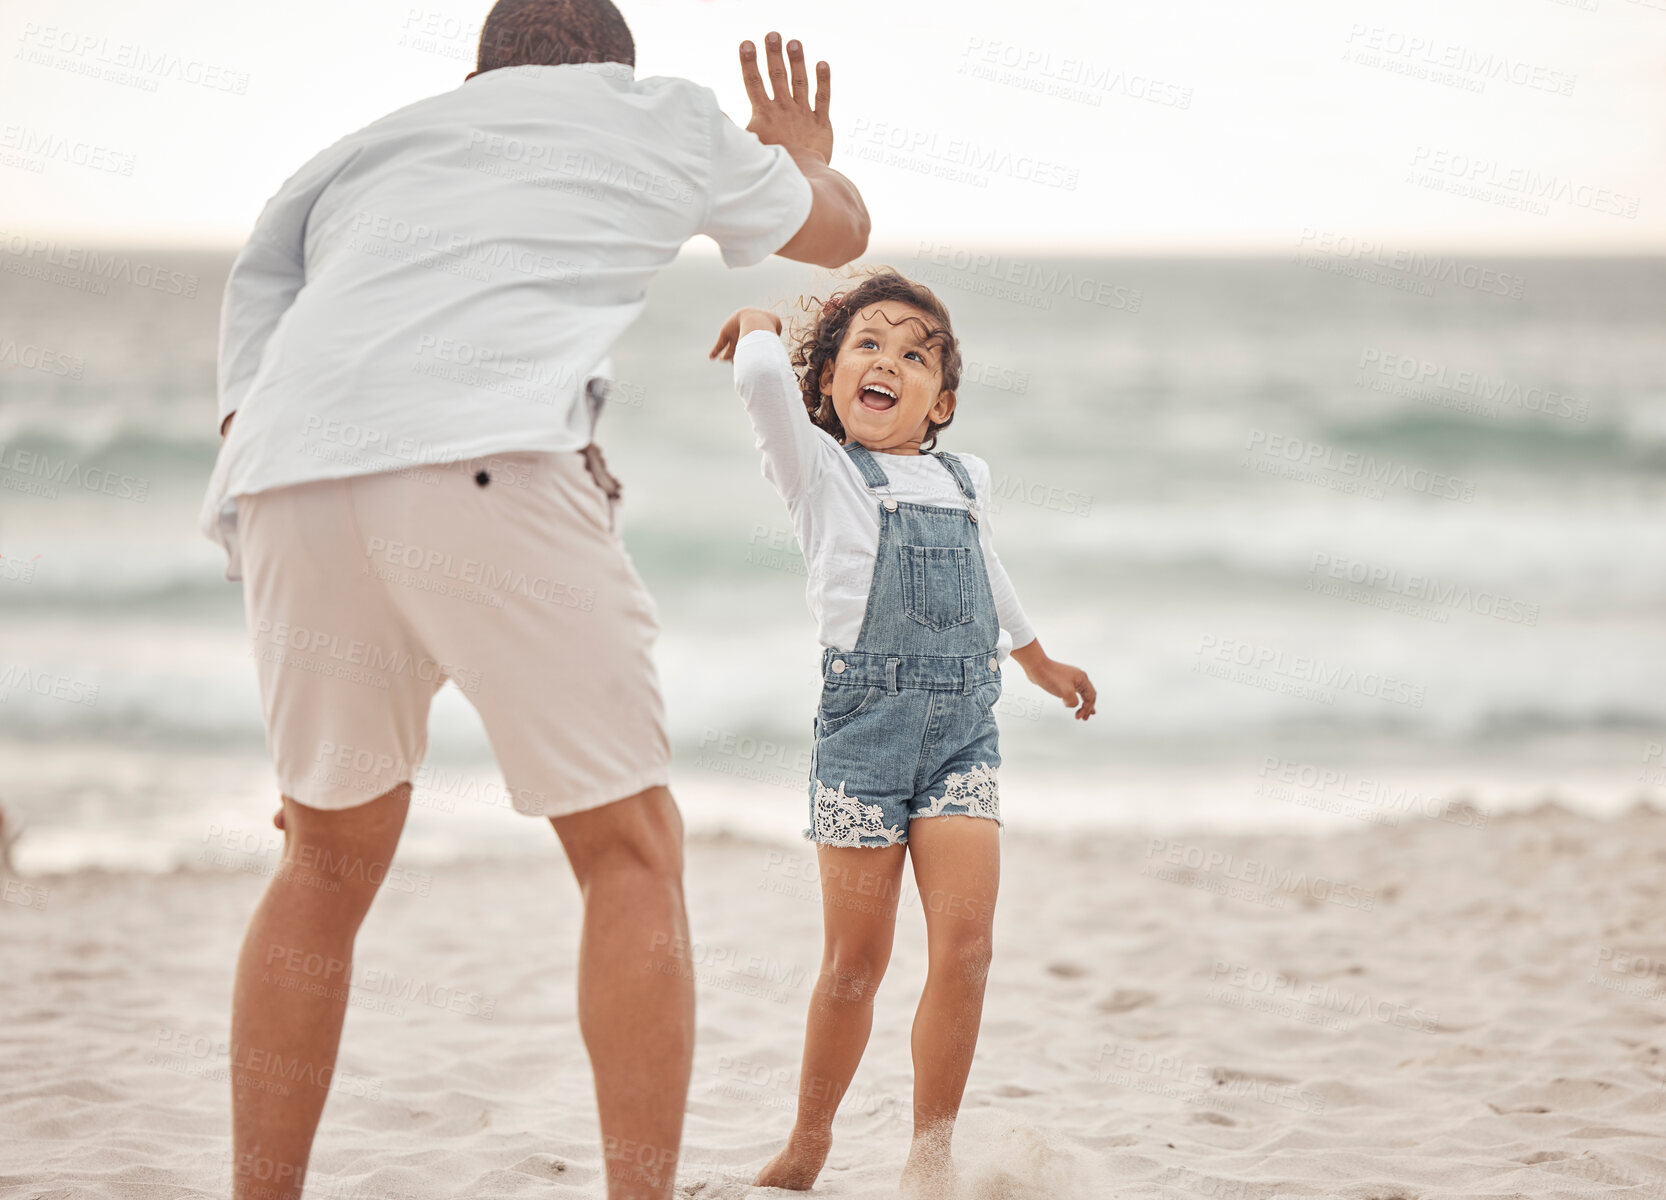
column 799, row 1162
column 929, row 1173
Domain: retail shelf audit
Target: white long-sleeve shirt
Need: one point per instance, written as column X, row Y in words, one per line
column 446, row 282
column 834, row 514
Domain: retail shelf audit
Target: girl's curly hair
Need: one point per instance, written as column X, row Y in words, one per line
column 817, row 342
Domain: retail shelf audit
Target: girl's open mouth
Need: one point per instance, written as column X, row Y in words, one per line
column 878, row 397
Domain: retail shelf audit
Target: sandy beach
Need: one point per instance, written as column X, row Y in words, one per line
column 1470, row 1007
column 1315, row 359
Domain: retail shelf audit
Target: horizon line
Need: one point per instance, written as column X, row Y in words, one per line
column 1049, row 248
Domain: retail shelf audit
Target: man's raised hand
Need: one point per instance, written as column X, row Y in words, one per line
column 787, row 118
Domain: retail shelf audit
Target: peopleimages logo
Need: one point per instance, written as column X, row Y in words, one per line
column 1355, row 465
column 956, row 158
column 326, row 437
column 41, row 146
column 105, row 266
column 1149, row 1070
column 1313, row 1003
column 1434, row 58
column 426, row 245
column 1414, row 586
column 1485, row 178
column 1042, row 495
column 16, row 679
column 1067, row 77
column 329, row 653
column 22, row 356
column 1216, row 656
column 1269, row 876
column 1046, row 279
column 40, row 474
column 127, row 62
column 1333, row 790
column 580, row 167
column 490, row 369
column 443, row 564
column 15, row 570
column 1491, row 396
column 1327, row 249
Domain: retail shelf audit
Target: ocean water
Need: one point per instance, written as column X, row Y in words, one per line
column 1341, row 537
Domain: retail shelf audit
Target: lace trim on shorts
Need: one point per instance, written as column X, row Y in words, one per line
column 975, row 790
column 843, row 820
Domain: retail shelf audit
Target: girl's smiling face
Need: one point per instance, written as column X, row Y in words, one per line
column 886, row 381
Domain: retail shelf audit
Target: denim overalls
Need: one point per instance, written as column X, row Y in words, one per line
column 905, row 728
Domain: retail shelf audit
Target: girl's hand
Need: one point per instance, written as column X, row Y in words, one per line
column 1066, row 682
column 1061, row 679
column 740, row 323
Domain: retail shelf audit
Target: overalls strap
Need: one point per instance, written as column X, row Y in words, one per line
column 959, row 473
column 865, row 463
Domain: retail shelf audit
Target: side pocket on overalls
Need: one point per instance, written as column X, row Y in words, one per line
column 840, row 705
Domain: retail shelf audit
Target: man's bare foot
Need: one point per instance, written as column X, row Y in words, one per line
column 929, row 1173
column 799, row 1162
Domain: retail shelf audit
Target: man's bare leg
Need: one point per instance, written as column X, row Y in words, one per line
column 859, row 894
column 635, row 984
column 957, row 867
column 290, row 995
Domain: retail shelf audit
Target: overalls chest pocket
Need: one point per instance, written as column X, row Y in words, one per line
column 936, row 585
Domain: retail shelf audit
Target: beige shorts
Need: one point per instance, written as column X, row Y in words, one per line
column 505, row 575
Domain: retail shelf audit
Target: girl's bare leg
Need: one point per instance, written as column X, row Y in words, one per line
column 859, row 893
column 957, row 866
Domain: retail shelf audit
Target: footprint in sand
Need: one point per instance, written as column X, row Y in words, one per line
column 1211, row 1118
column 1125, row 1000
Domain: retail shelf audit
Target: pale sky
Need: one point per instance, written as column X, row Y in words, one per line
column 1501, row 125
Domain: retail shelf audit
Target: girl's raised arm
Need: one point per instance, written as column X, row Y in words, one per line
column 769, row 389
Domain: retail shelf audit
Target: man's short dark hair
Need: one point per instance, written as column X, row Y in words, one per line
column 551, row 32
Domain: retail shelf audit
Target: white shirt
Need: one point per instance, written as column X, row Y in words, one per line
column 834, row 514
column 446, row 283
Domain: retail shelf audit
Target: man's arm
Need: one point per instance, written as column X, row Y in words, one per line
column 263, row 284
column 266, row 277
column 836, row 231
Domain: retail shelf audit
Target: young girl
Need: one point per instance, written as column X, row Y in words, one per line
column 915, row 614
